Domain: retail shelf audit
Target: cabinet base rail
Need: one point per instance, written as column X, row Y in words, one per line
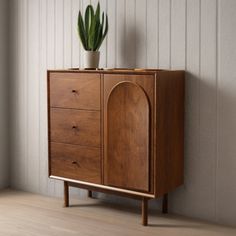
column 144, row 200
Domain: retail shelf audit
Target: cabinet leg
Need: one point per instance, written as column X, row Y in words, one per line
column 90, row 194
column 144, row 211
column 66, row 194
column 165, row 204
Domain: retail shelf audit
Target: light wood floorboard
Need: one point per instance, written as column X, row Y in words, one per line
column 26, row 214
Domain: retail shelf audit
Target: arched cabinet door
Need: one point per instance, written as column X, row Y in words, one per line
column 127, row 144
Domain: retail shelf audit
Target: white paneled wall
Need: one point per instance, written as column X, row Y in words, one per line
column 196, row 35
column 4, row 157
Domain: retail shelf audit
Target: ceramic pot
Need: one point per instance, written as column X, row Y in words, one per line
column 91, row 59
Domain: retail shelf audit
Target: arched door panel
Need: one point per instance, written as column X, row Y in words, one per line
column 128, row 132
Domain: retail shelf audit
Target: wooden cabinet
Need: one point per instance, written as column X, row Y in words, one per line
column 117, row 131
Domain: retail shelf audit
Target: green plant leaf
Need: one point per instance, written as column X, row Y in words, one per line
column 98, row 38
column 91, row 29
column 97, row 14
column 89, row 14
column 103, row 34
column 81, row 31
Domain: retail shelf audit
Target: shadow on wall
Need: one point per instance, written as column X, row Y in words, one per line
column 197, row 197
column 129, row 48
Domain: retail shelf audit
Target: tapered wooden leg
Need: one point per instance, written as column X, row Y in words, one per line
column 66, row 194
column 165, row 204
column 144, row 211
column 90, row 194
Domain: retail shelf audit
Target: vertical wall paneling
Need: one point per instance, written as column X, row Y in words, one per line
column 67, row 5
column 22, row 140
column 75, row 45
column 50, row 34
column 59, row 34
column 4, row 84
column 226, row 187
column 190, row 190
column 164, row 33
column 43, row 164
column 51, row 60
column 33, row 96
column 24, row 75
column 120, row 33
column 141, row 33
column 130, row 34
column 152, row 33
column 14, row 89
column 59, row 54
column 21, row 125
column 111, row 36
column 20, row 122
column 178, row 23
column 198, row 35
column 207, row 99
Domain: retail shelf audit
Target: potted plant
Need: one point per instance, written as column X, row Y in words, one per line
column 92, row 30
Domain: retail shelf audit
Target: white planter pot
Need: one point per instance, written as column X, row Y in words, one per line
column 91, row 59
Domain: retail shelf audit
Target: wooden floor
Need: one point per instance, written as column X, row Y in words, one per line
column 25, row 214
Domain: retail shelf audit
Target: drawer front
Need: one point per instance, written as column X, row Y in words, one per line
column 75, row 90
column 75, row 127
column 75, row 162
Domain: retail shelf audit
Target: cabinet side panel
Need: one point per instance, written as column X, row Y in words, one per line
column 170, row 131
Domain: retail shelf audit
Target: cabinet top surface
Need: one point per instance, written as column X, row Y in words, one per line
column 112, row 70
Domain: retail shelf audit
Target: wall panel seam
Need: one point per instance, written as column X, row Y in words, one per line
column 217, row 106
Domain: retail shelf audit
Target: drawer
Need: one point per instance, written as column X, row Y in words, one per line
column 75, row 127
column 75, row 162
column 75, row 90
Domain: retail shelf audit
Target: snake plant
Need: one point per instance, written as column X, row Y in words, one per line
column 91, row 29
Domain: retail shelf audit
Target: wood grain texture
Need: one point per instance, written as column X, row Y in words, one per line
column 142, row 131
column 75, row 162
column 105, row 189
column 73, row 90
column 170, row 131
column 40, row 215
column 128, row 115
column 66, row 194
column 146, row 82
column 75, row 127
column 144, row 211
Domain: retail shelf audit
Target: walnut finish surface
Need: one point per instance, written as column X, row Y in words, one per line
column 117, row 131
column 75, row 127
column 76, row 162
column 79, row 91
column 143, row 86
column 128, row 137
